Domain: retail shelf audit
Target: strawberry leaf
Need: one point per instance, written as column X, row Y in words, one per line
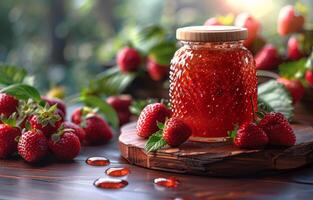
column 10, row 74
column 163, row 52
column 155, row 142
column 22, row 91
column 232, row 134
column 107, row 110
column 137, row 106
column 274, row 97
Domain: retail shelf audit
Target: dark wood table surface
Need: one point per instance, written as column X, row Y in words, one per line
column 19, row 180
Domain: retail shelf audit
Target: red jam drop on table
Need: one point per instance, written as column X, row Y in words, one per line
column 97, row 161
column 212, row 84
column 117, row 171
column 166, row 182
column 109, row 183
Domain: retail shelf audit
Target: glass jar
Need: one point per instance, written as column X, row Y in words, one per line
column 213, row 84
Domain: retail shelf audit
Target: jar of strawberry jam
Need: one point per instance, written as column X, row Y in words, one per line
column 213, row 84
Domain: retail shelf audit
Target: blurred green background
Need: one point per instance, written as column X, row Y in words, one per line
column 69, row 41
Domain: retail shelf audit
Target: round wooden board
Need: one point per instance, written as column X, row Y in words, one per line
column 218, row 159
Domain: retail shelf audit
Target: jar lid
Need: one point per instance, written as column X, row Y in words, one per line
column 211, row 33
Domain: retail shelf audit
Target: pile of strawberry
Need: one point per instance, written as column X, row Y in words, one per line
column 37, row 130
column 156, row 124
column 273, row 129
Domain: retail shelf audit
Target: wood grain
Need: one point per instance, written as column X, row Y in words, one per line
column 218, row 159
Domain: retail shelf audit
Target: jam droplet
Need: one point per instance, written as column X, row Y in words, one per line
column 98, row 161
column 117, row 171
column 166, row 182
column 109, row 183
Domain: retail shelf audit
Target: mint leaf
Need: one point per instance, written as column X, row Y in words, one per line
column 108, row 111
column 274, row 97
column 22, row 91
column 294, row 69
column 155, row 142
column 10, row 74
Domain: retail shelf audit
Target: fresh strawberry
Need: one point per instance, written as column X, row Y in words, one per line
column 309, row 77
column 293, row 49
column 249, row 135
column 77, row 114
column 253, row 26
column 128, row 59
column 77, row 130
column 46, row 119
column 278, row 129
column 120, row 103
column 150, row 115
column 176, row 132
column 213, row 21
column 60, row 104
column 96, row 129
column 289, row 21
column 267, row 58
column 64, row 145
column 295, row 88
column 8, row 140
column 157, row 72
column 8, row 104
column 33, row 146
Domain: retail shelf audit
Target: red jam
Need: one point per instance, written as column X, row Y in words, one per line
column 213, row 86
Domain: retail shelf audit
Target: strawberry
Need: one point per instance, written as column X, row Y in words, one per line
column 295, row 88
column 46, row 119
column 293, row 49
column 64, row 145
column 80, row 113
column 173, row 133
column 33, row 146
column 267, row 58
column 253, row 26
column 176, row 132
column 96, row 129
column 8, row 104
column 77, row 114
column 8, row 140
column 278, row 129
column 156, row 71
column 77, row 130
column 249, row 135
column 289, row 21
column 128, row 59
column 149, row 116
column 120, row 103
column 213, row 21
column 309, row 77
column 60, row 104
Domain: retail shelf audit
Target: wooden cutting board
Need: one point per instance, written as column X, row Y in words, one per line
column 218, row 159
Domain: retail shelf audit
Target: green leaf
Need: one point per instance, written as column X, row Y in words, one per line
column 232, row 134
column 107, row 110
column 163, row 52
column 110, row 82
column 274, row 97
column 10, row 74
column 22, row 91
column 294, row 69
column 155, row 142
column 147, row 37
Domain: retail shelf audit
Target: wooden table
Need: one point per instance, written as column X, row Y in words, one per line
column 19, row 180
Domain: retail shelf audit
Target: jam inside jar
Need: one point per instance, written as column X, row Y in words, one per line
column 213, row 83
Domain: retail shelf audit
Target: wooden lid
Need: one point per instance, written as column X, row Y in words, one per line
column 211, row 33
